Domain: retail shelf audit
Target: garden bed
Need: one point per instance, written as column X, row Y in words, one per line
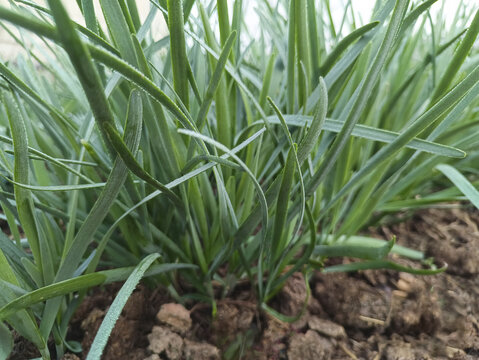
column 366, row 315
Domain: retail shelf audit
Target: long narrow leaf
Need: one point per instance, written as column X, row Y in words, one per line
column 79, row 283
column 116, row 307
column 461, row 182
column 23, row 196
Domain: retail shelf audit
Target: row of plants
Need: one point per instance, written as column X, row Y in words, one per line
column 218, row 152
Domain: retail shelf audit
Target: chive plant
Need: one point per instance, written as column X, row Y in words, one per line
column 214, row 154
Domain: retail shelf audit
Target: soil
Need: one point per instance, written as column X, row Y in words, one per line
column 373, row 314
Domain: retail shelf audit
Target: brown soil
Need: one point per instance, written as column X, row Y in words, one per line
column 365, row 315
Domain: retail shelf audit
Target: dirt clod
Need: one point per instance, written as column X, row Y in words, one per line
column 164, row 341
column 153, row 357
column 292, row 296
column 326, row 327
column 348, row 301
column 175, row 316
column 421, row 314
column 456, row 242
column 404, row 351
column 200, row 351
column 231, row 319
column 93, row 317
column 275, row 330
column 309, row 346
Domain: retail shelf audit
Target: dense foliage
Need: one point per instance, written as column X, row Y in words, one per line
column 218, row 153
